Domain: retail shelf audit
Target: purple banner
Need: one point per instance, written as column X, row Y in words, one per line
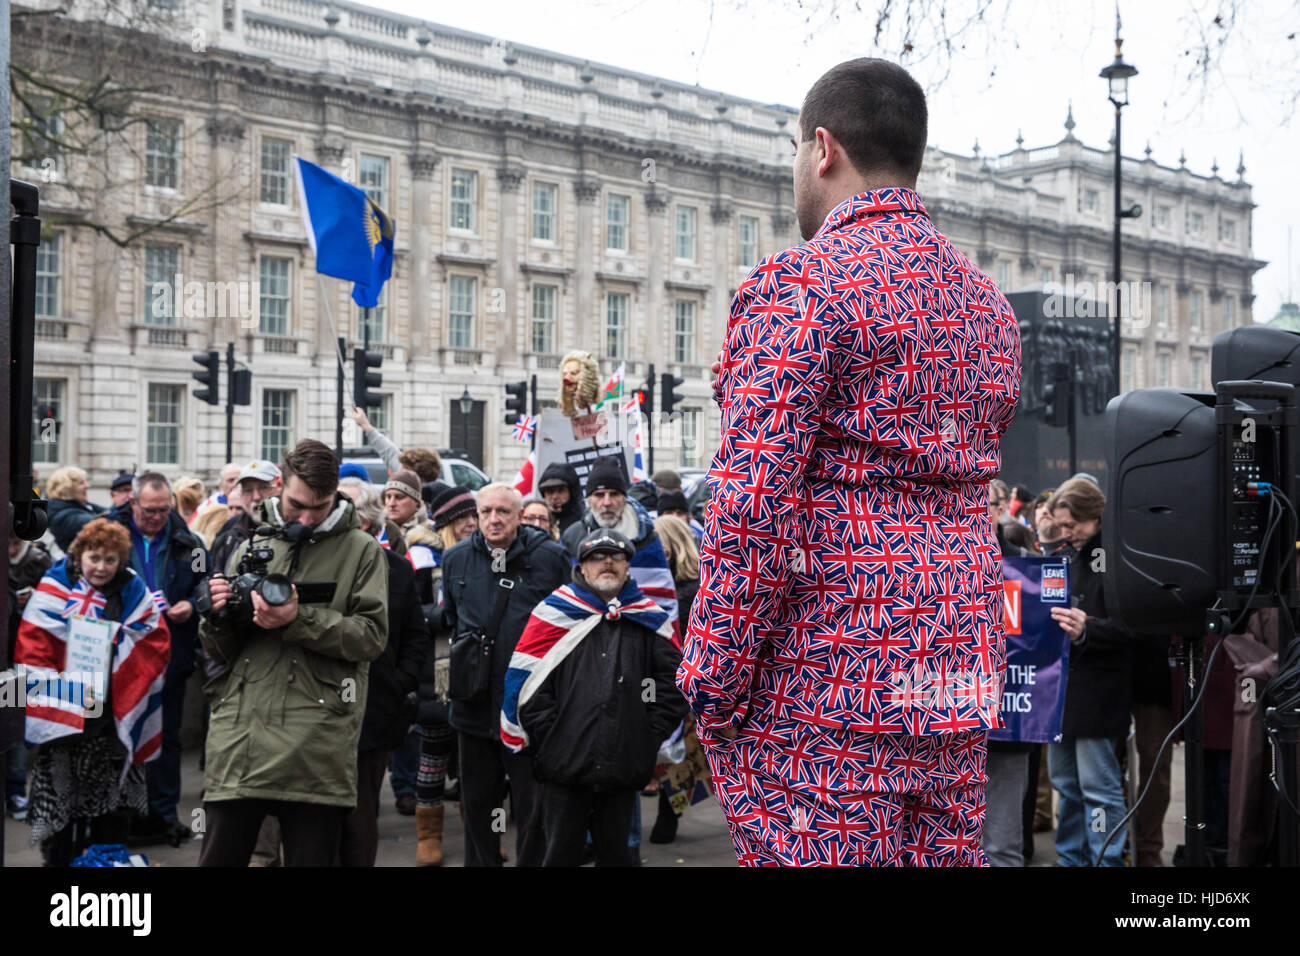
column 1038, row 650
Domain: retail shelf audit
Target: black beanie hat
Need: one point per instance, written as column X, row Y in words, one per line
column 671, row 501
column 606, row 473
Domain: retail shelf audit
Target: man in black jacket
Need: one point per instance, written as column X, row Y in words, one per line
column 563, row 495
column 594, row 712
column 394, row 676
column 172, row 561
column 491, row 581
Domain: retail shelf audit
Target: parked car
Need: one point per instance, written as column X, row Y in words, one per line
column 455, row 471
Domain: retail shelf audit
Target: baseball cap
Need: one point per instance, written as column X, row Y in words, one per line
column 605, row 540
column 123, row 478
column 262, row 470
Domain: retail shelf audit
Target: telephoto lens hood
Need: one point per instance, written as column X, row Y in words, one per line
column 276, row 589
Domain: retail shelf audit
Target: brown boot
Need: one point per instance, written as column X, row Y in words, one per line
column 428, row 831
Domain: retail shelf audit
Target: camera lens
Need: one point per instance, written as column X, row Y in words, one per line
column 275, row 589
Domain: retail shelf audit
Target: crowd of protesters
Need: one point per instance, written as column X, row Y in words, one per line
column 397, row 655
column 474, row 694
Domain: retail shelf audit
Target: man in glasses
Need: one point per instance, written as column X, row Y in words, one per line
column 589, row 694
column 172, row 561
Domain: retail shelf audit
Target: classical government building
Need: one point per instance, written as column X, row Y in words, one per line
column 543, row 204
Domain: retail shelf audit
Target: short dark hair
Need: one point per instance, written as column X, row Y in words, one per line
column 315, row 464
column 877, row 112
column 151, row 479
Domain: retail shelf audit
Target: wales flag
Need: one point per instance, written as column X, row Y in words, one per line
column 351, row 237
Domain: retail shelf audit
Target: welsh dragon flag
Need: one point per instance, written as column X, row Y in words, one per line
column 614, row 387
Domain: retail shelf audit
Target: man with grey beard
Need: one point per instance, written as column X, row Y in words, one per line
column 590, row 695
column 608, row 506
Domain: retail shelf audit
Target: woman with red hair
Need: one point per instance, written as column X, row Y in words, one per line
column 95, row 735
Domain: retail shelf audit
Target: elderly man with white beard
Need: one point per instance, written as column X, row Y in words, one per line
column 608, row 506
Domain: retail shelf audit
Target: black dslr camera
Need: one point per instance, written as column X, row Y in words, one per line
column 251, row 576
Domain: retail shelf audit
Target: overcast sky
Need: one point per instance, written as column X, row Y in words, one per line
column 1018, row 72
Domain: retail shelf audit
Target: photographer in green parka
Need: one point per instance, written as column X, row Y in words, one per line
column 288, row 704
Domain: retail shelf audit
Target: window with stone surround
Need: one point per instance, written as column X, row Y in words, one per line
column 48, row 398
column 162, row 152
column 376, row 325
column 617, row 209
column 162, row 265
column 684, row 333
column 1162, row 306
column 1229, row 312
column 463, row 210
column 275, row 171
column 544, row 208
column 42, row 135
column 748, row 241
column 373, row 178
column 543, row 337
column 273, row 295
column 1128, row 371
column 1162, row 370
column 381, row 415
column 690, row 438
column 616, row 313
column 49, row 274
column 163, row 424
column 687, row 218
column 460, row 311
column 1196, row 309
column 277, row 422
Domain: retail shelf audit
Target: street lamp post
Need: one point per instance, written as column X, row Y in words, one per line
column 466, row 406
column 1117, row 74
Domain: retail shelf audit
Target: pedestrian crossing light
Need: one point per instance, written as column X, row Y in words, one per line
column 516, row 401
column 211, row 362
column 363, row 380
column 668, row 394
column 1056, row 398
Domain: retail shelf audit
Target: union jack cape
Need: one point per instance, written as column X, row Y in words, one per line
column 141, row 650
column 650, row 568
column 557, row 625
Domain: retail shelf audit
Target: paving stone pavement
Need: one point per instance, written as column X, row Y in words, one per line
column 702, row 838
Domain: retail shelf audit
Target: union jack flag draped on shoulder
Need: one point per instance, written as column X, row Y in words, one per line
column 141, row 648
column 557, row 625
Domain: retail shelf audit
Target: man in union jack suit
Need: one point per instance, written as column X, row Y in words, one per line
column 845, row 651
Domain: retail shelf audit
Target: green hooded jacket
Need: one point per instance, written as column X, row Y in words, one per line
column 286, row 714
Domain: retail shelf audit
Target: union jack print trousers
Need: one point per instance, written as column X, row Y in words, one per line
column 837, row 799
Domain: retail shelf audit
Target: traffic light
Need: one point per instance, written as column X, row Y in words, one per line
column 241, row 387
column 363, row 380
column 647, row 392
column 211, row 362
column 1056, row 397
column 668, row 396
column 516, row 401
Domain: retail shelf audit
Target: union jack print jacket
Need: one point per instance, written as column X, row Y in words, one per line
column 850, row 575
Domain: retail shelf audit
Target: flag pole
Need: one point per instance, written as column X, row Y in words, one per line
column 339, row 346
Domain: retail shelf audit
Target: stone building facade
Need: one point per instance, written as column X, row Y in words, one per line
column 542, row 204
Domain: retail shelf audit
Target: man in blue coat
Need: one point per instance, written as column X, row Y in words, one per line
column 172, row 560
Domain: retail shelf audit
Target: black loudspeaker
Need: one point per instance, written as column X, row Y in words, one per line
column 1257, row 353
column 1159, row 526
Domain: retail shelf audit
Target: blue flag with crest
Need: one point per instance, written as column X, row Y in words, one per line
column 351, row 237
